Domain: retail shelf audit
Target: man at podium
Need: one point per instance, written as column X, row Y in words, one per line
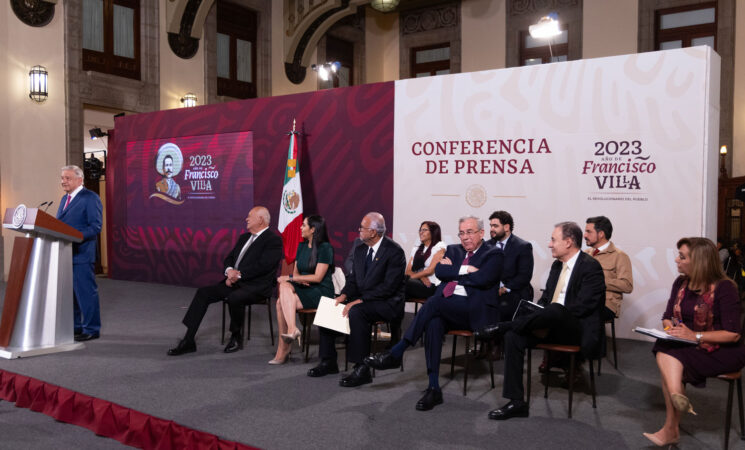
column 81, row 209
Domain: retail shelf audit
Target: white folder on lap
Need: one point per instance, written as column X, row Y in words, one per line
column 328, row 315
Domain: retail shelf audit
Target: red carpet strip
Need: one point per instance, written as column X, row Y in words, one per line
column 104, row 418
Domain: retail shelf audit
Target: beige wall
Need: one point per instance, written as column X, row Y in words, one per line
column 381, row 46
column 32, row 135
column 738, row 128
column 482, row 31
column 609, row 27
column 178, row 76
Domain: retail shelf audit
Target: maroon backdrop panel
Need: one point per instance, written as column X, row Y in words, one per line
column 346, row 170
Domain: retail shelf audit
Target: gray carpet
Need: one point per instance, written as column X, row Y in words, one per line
column 239, row 397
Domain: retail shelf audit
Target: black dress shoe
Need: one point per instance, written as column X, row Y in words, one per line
column 86, row 337
column 359, row 376
column 78, row 331
column 323, row 369
column 432, row 397
column 383, row 361
column 512, row 409
column 234, row 344
column 183, row 346
column 492, row 332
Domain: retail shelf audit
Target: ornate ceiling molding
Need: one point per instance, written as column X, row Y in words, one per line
column 429, row 19
column 35, row 13
column 520, row 7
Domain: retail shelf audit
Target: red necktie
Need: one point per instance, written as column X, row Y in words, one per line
column 449, row 288
column 67, row 203
column 595, row 252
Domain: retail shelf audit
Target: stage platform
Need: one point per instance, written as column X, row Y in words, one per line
column 238, row 397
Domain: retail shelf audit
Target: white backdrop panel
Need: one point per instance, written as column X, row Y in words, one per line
column 560, row 142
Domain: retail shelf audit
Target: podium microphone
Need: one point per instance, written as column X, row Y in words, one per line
column 41, row 204
column 48, row 205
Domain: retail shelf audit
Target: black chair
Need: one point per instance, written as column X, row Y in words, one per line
column 572, row 350
column 467, row 334
column 612, row 323
column 247, row 322
column 733, row 379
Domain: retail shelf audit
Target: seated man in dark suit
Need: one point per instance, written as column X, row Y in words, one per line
column 374, row 291
column 518, row 263
column 250, row 273
column 465, row 300
column 572, row 300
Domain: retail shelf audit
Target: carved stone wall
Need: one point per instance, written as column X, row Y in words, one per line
column 263, row 9
column 100, row 89
column 432, row 25
column 725, row 47
column 521, row 14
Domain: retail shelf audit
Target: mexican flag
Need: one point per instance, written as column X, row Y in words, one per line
column 291, row 207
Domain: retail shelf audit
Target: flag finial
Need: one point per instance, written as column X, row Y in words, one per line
column 293, row 125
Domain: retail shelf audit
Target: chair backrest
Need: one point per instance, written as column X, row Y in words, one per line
column 339, row 280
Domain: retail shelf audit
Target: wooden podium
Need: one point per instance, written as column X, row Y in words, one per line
column 37, row 316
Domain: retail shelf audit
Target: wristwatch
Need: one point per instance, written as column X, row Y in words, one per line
column 290, row 276
column 699, row 336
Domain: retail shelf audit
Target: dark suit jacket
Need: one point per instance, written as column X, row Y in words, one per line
column 585, row 298
column 259, row 265
column 384, row 281
column 518, row 267
column 85, row 215
column 481, row 286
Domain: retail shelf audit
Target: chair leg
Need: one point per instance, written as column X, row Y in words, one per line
column 468, row 357
column 527, row 378
column 571, row 382
column 728, row 414
column 374, row 343
column 613, row 340
column 491, row 365
column 222, row 335
column 271, row 322
column 452, row 359
column 247, row 324
column 306, row 336
column 739, row 407
column 547, row 358
column 592, row 384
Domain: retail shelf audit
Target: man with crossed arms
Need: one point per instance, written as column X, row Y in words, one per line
column 465, row 300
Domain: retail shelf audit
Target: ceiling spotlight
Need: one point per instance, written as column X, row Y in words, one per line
column 384, row 5
column 546, row 28
column 97, row 133
column 326, row 70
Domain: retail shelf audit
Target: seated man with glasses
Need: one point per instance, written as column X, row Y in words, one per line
column 374, row 292
column 466, row 299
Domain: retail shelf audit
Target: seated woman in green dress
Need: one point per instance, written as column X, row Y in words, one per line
column 310, row 280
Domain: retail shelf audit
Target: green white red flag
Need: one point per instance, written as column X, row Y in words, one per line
column 291, row 206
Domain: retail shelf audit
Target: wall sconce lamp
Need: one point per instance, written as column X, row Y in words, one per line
column 37, row 79
column 189, row 100
column 547, row 28
column 723, row 161
column 384, row 5
column 326, row 70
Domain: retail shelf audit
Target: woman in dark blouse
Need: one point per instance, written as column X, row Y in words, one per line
column 310, row 280
column 704, row 307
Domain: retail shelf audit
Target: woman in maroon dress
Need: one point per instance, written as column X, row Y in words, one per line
column 704, row 307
